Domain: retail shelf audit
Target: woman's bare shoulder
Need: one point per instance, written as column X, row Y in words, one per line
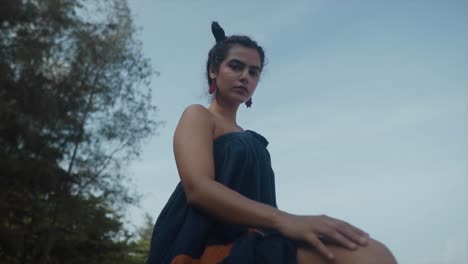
column 197, row 109
column 198, row 112
column 197, row 116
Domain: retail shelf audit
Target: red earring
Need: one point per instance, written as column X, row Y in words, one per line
column 212, row 87
column 249, row 102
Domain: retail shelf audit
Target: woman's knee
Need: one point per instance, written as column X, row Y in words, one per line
column 374, row 253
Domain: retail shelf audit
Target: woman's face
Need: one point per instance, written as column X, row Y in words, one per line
column 238, row 74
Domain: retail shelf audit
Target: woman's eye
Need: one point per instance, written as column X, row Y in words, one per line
column 254, row 73
column 236, row 67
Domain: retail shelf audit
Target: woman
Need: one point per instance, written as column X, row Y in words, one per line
column 224, row 208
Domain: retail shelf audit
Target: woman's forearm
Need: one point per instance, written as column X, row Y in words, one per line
column 232, row 207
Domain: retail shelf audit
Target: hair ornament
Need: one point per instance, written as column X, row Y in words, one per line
column 218, row 32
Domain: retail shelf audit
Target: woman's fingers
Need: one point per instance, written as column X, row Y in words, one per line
column 359, row 238
column 354, row 233
column 332, row 234
column 311, row 229
column 320, row 247
column 343, row 240
column 348, row 232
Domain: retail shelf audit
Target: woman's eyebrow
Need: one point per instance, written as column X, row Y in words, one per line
column 243, row 64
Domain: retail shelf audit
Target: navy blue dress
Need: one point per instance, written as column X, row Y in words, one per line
column 184, row 234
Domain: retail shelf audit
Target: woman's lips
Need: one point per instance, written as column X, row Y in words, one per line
column 242, row 88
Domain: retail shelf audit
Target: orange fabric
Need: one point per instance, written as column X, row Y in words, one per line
column 212, row 254
column 215, row 253
column 185, row 259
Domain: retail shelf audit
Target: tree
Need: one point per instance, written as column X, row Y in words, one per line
column 75, row 107
column 140, row 248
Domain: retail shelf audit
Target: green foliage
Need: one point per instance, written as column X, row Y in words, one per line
column 75, row 108
column 140, row 248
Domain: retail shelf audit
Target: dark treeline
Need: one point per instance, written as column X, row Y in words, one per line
column 75, row 108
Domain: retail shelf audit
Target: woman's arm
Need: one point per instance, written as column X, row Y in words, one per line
column 193, row 150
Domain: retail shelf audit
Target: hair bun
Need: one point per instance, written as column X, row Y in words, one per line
column 218, row 32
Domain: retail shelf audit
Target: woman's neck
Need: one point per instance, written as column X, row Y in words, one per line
column 224, row 111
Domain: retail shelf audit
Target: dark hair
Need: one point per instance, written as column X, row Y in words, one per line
column 223, row 44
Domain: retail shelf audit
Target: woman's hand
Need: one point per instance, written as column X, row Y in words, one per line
column 311, row 229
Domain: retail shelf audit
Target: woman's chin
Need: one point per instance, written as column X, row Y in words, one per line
column 240, row 99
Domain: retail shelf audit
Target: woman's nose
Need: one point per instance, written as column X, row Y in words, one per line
column 245, row 77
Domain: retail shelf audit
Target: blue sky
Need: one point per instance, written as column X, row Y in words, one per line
column 365, row 105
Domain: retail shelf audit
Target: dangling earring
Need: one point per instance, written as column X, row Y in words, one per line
column 212, row 87
column 249, row 102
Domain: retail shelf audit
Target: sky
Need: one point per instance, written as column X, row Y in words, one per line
column 364, row 103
